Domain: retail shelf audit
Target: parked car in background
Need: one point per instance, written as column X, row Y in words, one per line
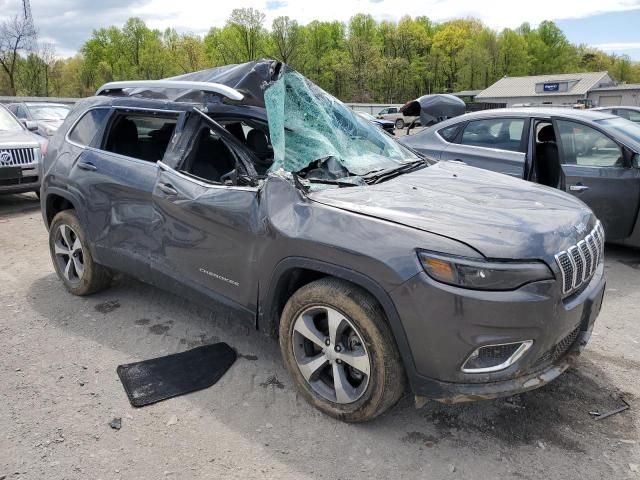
column 386, row 125
column 372, row 265
column 48, row 116
column 590, row 154
column 393, row 114
column 630, row 113
column 20, row 154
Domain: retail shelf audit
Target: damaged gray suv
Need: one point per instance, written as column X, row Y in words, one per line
column 377, row 269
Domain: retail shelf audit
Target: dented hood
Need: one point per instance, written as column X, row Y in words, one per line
column 497, row 215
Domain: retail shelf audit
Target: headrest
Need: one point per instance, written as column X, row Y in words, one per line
column 257, row 141
column 546, row 134
column 235, row 129
column 127, row 131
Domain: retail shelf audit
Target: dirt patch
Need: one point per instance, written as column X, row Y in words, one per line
column 108, row 306
column 200, row 340
column 251, row 358
column 161, row 328
column 420, row 439
column 557, row 414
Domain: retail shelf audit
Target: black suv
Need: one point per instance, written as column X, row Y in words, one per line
column 250, row 186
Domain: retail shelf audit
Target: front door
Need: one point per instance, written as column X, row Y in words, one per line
column 209, row 219
column 597, row 172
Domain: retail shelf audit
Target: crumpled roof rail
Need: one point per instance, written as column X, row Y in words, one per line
column 207, row 87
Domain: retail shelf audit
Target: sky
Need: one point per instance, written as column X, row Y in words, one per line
column 611, row 25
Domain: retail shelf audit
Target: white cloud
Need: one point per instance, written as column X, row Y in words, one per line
column 68, row 23
column 607, row 47
column 198, row 16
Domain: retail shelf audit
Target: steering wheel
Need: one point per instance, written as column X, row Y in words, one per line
column 229, row 176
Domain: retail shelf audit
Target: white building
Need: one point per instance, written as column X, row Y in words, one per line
column 568, row 89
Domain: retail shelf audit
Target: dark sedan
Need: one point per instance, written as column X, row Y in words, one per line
column 592, row 155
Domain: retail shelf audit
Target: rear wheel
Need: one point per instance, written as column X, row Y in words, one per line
column 340, row 351
column 71, row 257
column 399, row 123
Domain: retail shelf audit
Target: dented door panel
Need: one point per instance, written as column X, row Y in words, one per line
column 209, row 234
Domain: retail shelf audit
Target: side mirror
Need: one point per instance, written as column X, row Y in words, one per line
column 30, row 125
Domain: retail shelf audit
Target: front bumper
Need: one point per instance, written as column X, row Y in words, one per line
column 445, row 324
column 29, row 181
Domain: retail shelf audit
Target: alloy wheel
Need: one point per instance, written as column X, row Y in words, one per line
column 331, row 354
column 68, row 253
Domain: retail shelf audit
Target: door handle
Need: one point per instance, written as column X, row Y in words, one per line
column 167, row 189
column 578, row 188
column 87, row 166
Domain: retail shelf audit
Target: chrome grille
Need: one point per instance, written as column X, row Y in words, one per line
column 17, row 156
column 579, row 262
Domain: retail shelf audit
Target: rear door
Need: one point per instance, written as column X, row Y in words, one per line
column 598, row 172
column 116, row 175
column 497, row 144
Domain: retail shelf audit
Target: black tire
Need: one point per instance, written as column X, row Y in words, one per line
column 399, row 123
column 386, row 382
column 94, row 277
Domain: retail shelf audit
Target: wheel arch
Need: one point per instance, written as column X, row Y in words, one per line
column 57, row 200
column 295, row 272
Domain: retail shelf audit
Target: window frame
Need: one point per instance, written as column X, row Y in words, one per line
column 460, row 125
column 99, row 132
column 524, row 136
column 623, row 149
column 117, row 111
column 232, row 143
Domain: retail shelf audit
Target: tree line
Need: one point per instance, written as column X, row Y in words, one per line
column 362, row 60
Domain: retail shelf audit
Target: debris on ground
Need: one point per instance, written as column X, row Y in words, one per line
column 601, row 416
column 272, row 381
column 116, row 423
column 173, row 419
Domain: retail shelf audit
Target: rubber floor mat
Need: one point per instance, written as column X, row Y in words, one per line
column 151, row 381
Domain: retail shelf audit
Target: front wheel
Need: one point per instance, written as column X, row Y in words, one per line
column 399, row 124
column 71, row 257
column 340, row 351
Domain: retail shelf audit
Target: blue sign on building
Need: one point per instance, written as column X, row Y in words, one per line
column 551, row 87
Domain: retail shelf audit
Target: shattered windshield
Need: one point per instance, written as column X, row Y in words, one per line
column 310, row 129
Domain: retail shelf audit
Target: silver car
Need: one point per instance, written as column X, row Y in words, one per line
column 393, row 114
column 47, row 116
column 630, row 113
column 590, row 154
column 20, row 154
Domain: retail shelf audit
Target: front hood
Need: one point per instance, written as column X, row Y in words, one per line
column 19, row 139
column 500, row 216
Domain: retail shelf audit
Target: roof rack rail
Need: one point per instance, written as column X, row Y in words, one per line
column 208, row 87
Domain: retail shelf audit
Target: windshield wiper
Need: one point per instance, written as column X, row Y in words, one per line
column 328, row 181
column 387, row 174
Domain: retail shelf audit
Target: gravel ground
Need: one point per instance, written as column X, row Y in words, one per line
column 59, row 391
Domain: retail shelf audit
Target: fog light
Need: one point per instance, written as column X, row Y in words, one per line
column 493, row 358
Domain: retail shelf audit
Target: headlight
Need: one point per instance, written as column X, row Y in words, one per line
column 482, row 275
